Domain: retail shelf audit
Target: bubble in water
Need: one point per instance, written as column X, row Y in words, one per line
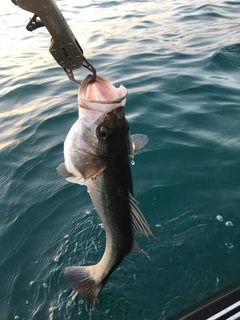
column 69, row 303
column 229, row 224
column 45, row 285
column 220, row 218
column 229, row 245
column 132, row 162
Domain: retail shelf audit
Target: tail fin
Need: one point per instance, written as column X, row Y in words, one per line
column 82, row 280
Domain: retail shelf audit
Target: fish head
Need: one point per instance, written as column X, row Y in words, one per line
column 112, row 134
column 101, row 132
column 101, row 110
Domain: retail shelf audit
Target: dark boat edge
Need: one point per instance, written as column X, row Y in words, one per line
column 224, row 304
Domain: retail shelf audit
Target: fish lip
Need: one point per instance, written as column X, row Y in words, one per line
column 92, row 104
column 118, row 100
column 84, row 103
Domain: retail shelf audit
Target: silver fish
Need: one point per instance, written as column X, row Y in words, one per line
column 96, row 152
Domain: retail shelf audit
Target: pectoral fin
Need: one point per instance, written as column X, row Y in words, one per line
column 88, row 165
column 138, row 142
column 139, row 223
column 62, row 171
column 77, row 180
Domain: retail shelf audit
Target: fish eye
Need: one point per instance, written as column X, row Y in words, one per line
column 104, row 133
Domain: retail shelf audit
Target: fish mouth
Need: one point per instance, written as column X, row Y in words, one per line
column 101, row 96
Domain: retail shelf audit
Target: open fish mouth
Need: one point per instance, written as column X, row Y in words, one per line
column 101, row 96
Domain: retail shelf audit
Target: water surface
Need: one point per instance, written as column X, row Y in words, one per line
column 180, row 61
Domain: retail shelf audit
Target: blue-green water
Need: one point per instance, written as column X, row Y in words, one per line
column 180, row 61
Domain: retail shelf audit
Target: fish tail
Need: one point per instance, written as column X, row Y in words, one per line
column 82, row 280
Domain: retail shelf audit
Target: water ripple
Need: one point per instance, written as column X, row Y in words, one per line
column 180, row 64
column 227, row 58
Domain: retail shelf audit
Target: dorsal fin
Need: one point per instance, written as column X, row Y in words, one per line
column 139, row 223
column 135, row 248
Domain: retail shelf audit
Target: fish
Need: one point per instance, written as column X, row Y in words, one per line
column 96, row 154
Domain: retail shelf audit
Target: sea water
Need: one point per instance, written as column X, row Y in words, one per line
column 180, row 61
